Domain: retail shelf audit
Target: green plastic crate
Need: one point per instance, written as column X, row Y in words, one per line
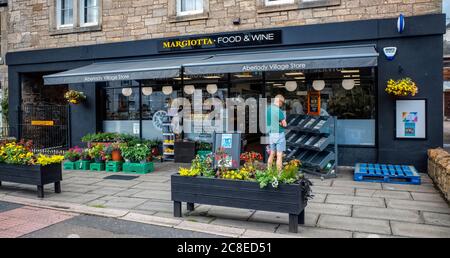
column 138, row 168
column 97, row 166
column 82, row 165
column 113, row 166
column 69, row 165
column 203, row 153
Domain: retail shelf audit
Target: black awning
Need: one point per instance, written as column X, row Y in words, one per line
column 123, row 70
column 283, row 60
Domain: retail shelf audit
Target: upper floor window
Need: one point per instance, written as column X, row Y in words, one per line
column 64, row 12
column 188, row 7
column 88, row 12
column 278, row 2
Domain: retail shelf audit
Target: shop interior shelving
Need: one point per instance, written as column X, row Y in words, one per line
column 312, row 140
column 168, row 134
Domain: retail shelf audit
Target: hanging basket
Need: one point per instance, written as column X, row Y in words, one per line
column 74, row 97
column 405, row 87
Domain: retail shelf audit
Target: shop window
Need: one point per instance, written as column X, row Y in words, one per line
column 64, row 13
column 88, row 12
column 189, row 7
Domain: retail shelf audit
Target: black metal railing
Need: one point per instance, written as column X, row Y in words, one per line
column 45, row 137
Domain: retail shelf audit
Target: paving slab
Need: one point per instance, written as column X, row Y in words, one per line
column 282, row 218
column 73, row 197
column 410, row 188
column 333, row 190
column 148, row 219
column 355, row 184
column 106, row 190
column 211, row 229
column 83, row 180
column 154, row 194
column 149, row 185
column 419, row 230
column 436, row 218
column 319, row 182
column 355, row 224
column 355, row 200
column 372, row 235
column 266, row 227
column 314, row 232
column 384, row 194
column 318, row 197
column 430, row 197
column 258, row 234
column 327, row 208
column 230, row 213
column 128, row 192
column 117, row 183
column 118, row 202
column 157, row 206
column 76, row 188
column 386, row 213
column 418, row 205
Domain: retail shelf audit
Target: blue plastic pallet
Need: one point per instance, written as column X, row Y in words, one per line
column 386, row 173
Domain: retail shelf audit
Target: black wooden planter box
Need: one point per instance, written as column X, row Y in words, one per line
column 32, row 175
column 239, row 194
column 184, row 152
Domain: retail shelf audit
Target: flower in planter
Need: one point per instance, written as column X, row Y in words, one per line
column 45, row 160
column 402, row 87
column 74, row 97
column 16, row 153
column 73, row 154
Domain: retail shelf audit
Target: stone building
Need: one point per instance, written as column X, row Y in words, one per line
column 44, row 37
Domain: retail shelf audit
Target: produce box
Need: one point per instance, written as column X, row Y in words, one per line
column 82, row 165
column 138, row 168
column 97, row 166
column 113, row 166
column 69, row 165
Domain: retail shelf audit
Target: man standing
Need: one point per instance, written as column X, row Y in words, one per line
column 276, row 123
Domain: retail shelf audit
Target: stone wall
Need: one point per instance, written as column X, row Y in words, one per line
column 29, row 26
column 439, row 170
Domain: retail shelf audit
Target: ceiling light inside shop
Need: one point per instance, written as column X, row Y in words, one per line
column 189, row 89
column 127, row 91
column 348, row 84
column 184, row 78
column 291, row 85
column 244, row 75
column 167, row 90
column 318, row 85
column 294, row 74
column 356, row 76
column 147, row 91
column 349, row 71
column 211, row 88
column 212, row 77
column 278, row 85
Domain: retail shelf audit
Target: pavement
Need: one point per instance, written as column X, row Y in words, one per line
column 341, row 208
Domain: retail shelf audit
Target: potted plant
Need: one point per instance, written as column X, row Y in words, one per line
column 73, row 154
column 112, row 152
column 203, row 148
column 97, row 153
column 136, row 158
column 74, row 97
column 402, row 88
column 18, row 164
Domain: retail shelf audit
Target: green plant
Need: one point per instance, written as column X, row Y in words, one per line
column 97, row 152
column 74, row 97
column 73, row 154
column 85, row 155
column 136, row 153
column 203, row 146
column 288, row 175
column 155, row 143
column 111, row 137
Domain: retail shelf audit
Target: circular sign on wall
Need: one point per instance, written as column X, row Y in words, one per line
column 158, row 119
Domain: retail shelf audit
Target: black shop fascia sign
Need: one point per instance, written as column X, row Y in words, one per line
column 241, row 39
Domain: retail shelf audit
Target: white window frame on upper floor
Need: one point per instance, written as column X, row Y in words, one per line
column 278, row 2
column 82, row 15
column 59, row 13
column 179, row 12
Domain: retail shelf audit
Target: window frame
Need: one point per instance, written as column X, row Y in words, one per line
column 82, row 15
column 191, row 12
column 58, row 14
column 278, row 2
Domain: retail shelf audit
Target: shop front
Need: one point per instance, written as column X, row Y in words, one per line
column 337, row 70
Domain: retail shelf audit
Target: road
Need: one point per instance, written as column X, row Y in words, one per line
column 29, row 222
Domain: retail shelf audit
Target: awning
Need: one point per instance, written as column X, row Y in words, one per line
column 123, row 70
column 283, row 60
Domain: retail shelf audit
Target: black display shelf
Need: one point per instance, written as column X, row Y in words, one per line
column 312, row 140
